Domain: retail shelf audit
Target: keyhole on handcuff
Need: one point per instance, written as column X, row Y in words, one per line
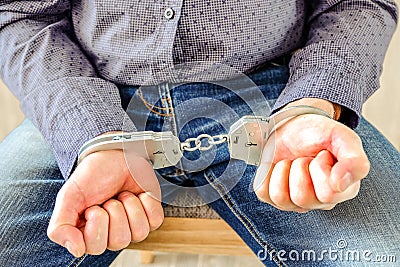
column 250, row 144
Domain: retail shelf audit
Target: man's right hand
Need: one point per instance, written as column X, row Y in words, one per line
column 105, row 206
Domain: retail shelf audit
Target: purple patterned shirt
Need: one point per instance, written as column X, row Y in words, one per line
column 63, row 58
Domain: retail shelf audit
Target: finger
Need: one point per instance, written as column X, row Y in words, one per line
column 350, row 193
column 95, row 231
column 153, row 210
column 263, row 172
column 119, row 233
column 301, row 186
column 138, row 223
column 320, row 170
column 352, row 162
column 348, row 171
column 62, row 227
column 261, row 182
column 279, row 186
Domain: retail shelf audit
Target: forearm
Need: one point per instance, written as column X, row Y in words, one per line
column 56, row 84
column 341, row 60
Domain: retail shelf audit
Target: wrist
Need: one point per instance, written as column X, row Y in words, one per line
column 332, row 109
column 91, row 146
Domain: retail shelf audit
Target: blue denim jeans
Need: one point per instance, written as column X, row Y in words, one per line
column 364, row 231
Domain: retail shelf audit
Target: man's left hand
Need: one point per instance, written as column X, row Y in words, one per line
column 311, row 162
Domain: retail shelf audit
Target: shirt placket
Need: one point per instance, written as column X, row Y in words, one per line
column 162, row 63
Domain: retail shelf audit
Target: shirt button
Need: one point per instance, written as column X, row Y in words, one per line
column 169, row 13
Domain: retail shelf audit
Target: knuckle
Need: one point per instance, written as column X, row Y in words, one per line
column 157, row 221
column 62, row 194
column 99, row 212
column 126, row 196
column 119, row 243
column 262, row 193
column 112, row 204
column 51, row 233
column 326, row 197
column 355, row 189
column 279, row 198
column 140, row 229
column 365, row 168
column 301, row 200
column 95, row 251
column 140, row 234
column 263, row 197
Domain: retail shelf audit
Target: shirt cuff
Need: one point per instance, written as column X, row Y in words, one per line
column 329, row 85
column 79, row 126
column 81, row 110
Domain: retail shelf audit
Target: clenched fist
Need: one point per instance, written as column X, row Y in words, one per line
column 105, row 206
column 311, row 162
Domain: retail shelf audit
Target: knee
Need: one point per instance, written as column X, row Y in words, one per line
column 24, row 155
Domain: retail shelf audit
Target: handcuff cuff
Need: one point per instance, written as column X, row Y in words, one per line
column 246, row 139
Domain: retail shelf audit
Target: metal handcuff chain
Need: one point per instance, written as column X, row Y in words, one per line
column 246, row 139
column 212, row 141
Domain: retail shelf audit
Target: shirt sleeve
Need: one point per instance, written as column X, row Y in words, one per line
column 342, row 58
column 57, row 86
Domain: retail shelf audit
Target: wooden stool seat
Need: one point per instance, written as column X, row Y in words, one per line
column 194, row 235
column 197, row 230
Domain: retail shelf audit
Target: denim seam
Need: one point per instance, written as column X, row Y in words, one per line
column 242, row 217
column 165, row 91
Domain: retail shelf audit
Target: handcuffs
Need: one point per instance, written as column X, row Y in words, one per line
column 246, row 139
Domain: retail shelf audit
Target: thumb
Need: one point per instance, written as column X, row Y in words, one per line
column 63, row 225
column 143, row 175
column 352, row 163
